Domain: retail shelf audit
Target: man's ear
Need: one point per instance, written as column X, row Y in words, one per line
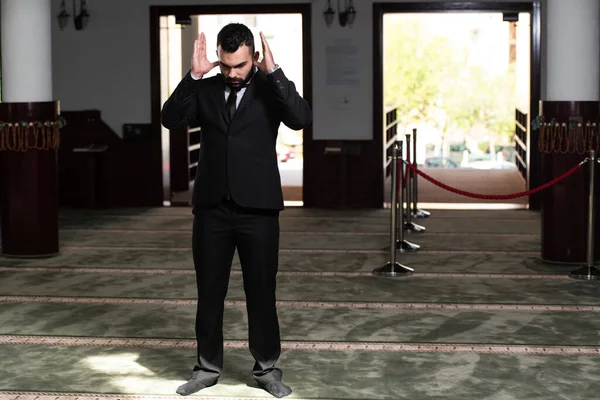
column 256, row 55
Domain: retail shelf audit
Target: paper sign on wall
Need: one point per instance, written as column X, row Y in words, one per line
column 342, row 63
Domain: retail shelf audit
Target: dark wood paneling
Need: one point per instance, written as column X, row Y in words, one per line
column 155, row 153
column 457, row 6
column 522, row 134
column 378, row 93
column 535, row 161
column 391, row 137
column 29, row 188
column 125, row 174
column 342, row 178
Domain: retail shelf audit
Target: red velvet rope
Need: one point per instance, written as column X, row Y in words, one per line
column 494, row 196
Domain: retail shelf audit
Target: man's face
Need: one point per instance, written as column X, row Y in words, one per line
column 236, row 66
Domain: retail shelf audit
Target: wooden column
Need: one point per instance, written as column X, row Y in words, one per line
column 28, row 182
column 565, row 204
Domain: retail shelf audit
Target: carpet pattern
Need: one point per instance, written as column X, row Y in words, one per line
column 112, row 316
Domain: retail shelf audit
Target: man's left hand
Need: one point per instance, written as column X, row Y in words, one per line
column 267, row 61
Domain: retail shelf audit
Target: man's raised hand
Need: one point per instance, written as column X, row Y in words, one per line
column 200, row 63
column 267, row 61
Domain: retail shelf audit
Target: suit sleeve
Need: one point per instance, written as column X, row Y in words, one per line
column 181, row 108
column 296, row 113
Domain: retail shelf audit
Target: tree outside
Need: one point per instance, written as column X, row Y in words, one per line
column 454, row 78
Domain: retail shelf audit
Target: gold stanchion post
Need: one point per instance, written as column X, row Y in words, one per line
column 417, row 212
column 393, row 268
column 590, row 272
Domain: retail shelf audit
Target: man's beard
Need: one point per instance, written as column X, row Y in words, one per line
column 237, row 83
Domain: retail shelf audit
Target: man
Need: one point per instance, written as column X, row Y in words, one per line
column 237, row 193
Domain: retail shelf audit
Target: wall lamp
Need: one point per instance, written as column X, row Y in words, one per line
column 81, row 20
column 346, row 16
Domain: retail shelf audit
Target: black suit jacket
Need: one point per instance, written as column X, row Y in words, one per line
column 240, row 154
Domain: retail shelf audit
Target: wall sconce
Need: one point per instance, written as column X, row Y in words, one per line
column 81, row 20
column 345, row 17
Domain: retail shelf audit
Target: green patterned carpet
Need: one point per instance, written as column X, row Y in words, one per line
column 482, row 317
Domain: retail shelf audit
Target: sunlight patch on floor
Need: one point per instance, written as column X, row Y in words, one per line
column 469, row 206
column 473, row 206
column 291, row 203
column 124, row 372
column 125, row 363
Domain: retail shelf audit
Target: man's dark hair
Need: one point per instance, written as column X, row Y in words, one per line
column 234, row 35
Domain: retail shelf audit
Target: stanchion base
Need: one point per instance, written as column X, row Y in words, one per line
column 407, row 246
column 416, row 228
column 393, row 270
column 422, row 214
column 585, row 273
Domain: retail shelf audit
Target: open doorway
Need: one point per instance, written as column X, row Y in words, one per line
column 456, row 80
column 459, row 80
column 285, row 29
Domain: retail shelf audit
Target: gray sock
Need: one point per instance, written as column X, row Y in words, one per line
column 192, row 386
column 277, row 389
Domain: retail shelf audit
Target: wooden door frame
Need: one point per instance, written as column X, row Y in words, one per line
column 532, row 7
column 157, row 11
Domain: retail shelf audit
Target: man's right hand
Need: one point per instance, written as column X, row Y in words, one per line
column 200, row 63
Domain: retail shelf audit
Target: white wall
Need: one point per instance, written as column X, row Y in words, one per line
column 107, row 66
column 573, row 69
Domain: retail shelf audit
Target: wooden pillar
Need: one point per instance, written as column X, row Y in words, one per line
column 28, row 179
column 28, row 167
column 571, row 102
column 565, row 204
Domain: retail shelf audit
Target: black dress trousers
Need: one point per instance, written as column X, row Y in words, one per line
column 217, row 232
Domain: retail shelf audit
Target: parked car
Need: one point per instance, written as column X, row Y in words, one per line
column 440, row 162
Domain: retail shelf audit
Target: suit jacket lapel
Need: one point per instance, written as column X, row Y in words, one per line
column 219, row 101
